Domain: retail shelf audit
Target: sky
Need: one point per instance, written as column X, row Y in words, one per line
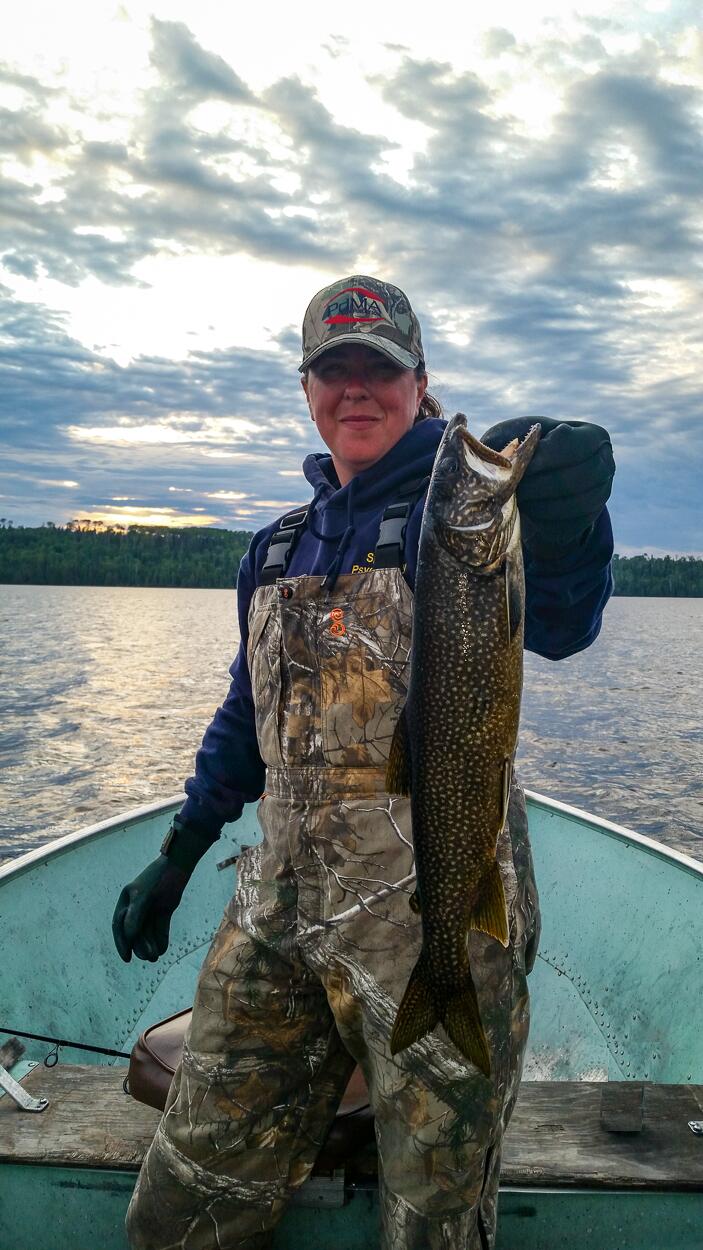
column 178, row 179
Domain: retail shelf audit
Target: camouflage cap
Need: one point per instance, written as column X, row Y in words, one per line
column 364, row 310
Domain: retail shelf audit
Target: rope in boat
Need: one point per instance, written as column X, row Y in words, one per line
column 59, row 1041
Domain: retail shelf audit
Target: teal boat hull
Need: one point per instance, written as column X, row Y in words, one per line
column 84, row 1209
column 613, row 998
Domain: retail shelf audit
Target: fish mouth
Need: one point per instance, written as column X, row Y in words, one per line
column 496, row 467
column 500, row 471
column 471, row 499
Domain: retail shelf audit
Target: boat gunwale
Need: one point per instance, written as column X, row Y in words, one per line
column 68, row 841
column 16, row 867
column 618, row 832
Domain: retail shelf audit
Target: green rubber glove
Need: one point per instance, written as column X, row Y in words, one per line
column 567, row 482
column 142, row 919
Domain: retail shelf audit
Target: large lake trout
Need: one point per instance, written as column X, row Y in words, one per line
column 455, row 741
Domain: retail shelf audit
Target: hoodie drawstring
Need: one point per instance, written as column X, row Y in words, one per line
column 319, row 492
column 330, row 579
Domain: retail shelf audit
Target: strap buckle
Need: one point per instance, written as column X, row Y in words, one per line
column 391, row 534
column 281, row 544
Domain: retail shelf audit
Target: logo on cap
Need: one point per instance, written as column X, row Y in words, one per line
column 344, row 309
column 356, row 304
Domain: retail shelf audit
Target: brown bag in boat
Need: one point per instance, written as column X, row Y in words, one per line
column 156, row 1055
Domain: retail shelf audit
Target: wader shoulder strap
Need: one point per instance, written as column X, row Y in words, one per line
column 390, row 545
column 281, row 546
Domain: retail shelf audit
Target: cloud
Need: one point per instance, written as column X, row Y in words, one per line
column 170, row 184
column 190, row 70
column 545, row 222
column 25, row 133
column 220, row 421
column 497, row 40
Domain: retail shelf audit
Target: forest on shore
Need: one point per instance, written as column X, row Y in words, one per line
column 92, row 554
column 81, row 554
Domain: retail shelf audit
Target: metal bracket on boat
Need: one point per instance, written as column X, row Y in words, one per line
column 232, row 859
column 227, row 863
column 19, row 1096
column 696, row 1126
column 322, row 1191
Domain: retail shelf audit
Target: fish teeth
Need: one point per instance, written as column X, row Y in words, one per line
column 485, row 468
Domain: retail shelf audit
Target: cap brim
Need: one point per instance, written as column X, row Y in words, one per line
column 408, row 360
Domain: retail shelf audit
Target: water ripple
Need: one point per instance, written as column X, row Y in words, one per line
column 113, row 687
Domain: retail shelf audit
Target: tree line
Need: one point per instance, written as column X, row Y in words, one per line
column 88, row 553
column 674, row 577
column 92, row 554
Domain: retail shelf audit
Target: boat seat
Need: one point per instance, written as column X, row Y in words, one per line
column 157, row 1053
column 154, row 1059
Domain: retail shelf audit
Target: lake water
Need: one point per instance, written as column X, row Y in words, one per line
column 106, row 692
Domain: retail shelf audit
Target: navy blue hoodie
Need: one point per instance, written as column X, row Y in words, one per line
column 564, row 602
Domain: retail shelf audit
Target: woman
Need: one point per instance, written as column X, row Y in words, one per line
column 314, row 952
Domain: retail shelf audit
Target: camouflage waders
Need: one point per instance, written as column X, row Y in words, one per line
column 313, row 955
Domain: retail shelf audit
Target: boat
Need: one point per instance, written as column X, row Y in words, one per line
column 605, row 1148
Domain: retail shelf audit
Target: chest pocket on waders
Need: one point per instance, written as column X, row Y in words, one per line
column 364, row 650
column 264, row 660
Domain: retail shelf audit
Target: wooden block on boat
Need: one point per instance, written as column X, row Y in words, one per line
column 622, row 1106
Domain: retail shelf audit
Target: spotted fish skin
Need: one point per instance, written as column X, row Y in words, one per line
column 454, row 744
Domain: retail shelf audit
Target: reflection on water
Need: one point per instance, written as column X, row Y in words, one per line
column 106, row 692
column 109, row 692
column 617, row 729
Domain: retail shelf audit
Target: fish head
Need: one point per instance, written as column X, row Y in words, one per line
column 471, row 497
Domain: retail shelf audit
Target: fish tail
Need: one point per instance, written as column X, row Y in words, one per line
column 418, row 1012
column 462, row 1020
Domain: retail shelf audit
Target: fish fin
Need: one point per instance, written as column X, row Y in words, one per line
column 462, row 1020
column 418, row 1013
column 513, row 598
column 506, row 780
column 398, row 776
column 490, row 914
column 414, row 902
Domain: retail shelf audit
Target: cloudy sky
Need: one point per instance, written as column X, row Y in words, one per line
column 179, row 178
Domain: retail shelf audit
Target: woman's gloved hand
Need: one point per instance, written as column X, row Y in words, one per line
column 142, row 918
column 566, row 485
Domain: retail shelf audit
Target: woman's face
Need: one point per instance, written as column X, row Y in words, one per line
column 362, row 404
